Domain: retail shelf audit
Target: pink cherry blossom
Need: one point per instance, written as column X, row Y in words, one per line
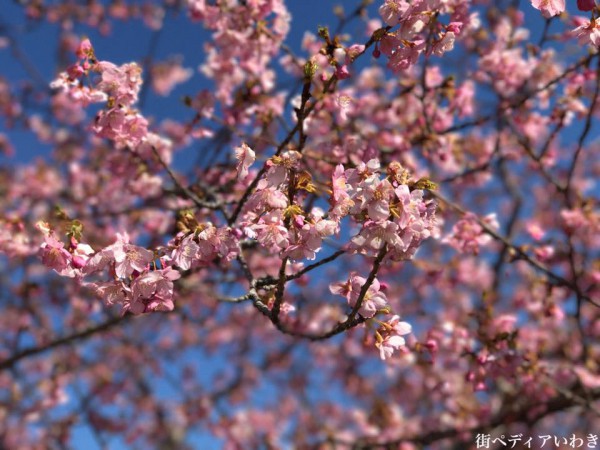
column 373, row 301
column 271, row 231
column 85, row 49
column 392, row 10
column 376, row 199
column 340, row 199
column 374, row 235
column 167, row 75
column 308, row 237
column 445, row 44
column 111, row 292
column 54, row 255
column 389, row 338
column 126, row 257
column 246, row 157
column 186, row 253
column 588, row 32
column 153, row 291
column 130, row 258
column 549, row 8
column 468, row 234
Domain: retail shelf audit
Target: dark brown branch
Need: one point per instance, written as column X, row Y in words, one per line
column 586, row 129
column 310, row 267
column 188, row 193
column 65, row 340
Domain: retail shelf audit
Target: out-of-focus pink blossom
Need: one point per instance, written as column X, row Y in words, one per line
column 85, row 49
column 392, row 10
column 445, row 44
column 53, row 254
column 468, row 235
column 588, row 32
column 246, row 157
column 549, row 8
column 535, row 230
column 167, row 75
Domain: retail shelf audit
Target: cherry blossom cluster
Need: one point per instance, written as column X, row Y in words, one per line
column 139, row 286
column 274, row 216
column 299, row 244
column 68, row 261
column 203, row 245
column 468, row 234
column 587, row 31
column 118, row 87
column 97, row 15
column 420, row 30
column 247, row 35
column 391, row 214
column 373, row 301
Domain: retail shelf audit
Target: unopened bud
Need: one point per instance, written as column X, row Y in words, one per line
column 310, row 68
column 324, row 33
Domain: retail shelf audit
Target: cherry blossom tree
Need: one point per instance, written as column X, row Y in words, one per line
column 387, row 236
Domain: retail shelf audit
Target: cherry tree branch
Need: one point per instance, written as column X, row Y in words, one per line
column 313, row 266
column 351, row 321
column 189, row 194
column 526, row 413
column 523, row 99
column 586, row 129
column 65, row 340
column 519, row 251
column 302, row 114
